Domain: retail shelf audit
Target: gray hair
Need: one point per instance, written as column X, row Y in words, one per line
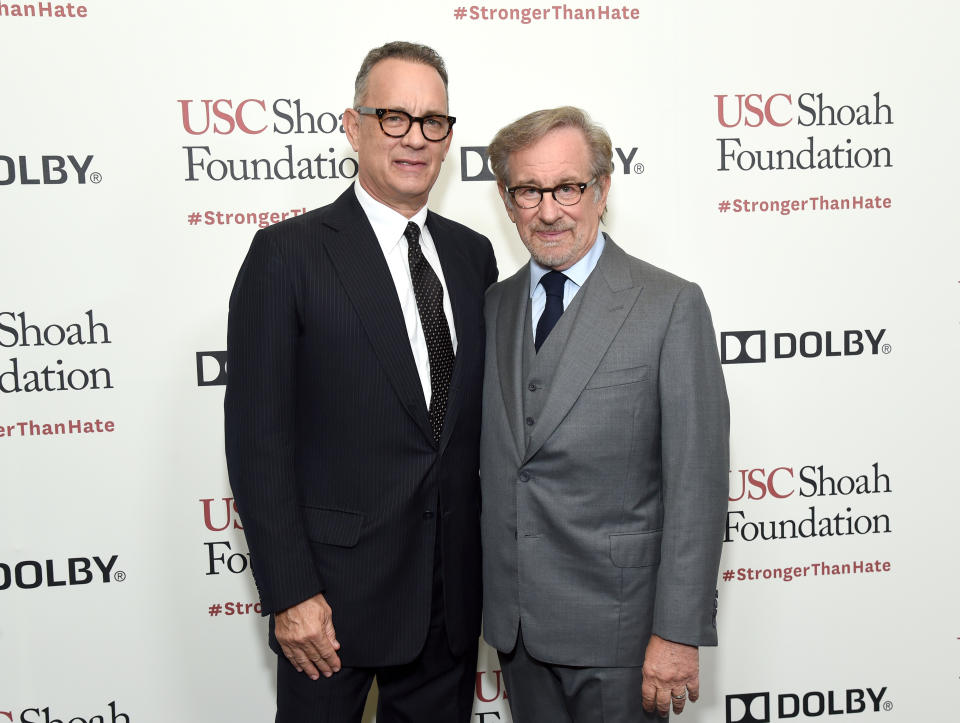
column 403, row 51
column 532, row 127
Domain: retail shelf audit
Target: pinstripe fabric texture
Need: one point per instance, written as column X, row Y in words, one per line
column 337, row 475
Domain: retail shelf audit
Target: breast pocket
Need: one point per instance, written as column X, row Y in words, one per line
column 617, row 377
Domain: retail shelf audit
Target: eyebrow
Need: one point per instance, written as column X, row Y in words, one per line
column 534, row 184
column 408, row 112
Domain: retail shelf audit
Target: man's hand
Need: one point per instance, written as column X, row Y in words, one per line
column 671, row 671
column 306, row 636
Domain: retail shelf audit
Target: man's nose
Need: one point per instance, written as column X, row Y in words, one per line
column 414, row 137
column 549, row 210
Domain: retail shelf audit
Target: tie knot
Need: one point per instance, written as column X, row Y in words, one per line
column 412, row 232
column 553, row 282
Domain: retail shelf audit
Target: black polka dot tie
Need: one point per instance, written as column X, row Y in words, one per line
column 429, row 293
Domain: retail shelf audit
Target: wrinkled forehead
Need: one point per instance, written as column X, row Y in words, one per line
column 406, row 85
column 559, row 156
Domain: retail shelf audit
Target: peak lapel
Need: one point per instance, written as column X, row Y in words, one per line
column 609, row 295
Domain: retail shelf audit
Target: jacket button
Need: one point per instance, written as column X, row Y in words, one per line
column 427, row 514
column 532, row 387
column 530, row 421
column 524, row 476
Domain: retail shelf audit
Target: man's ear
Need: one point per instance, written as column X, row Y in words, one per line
column 351, row 126
column 604, row 190
column 507, row 201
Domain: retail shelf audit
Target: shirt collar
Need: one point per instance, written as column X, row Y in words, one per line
column 388, row 225
column 577, row 273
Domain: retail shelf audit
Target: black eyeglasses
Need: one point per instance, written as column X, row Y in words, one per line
column 566, row 194
column 396, row 123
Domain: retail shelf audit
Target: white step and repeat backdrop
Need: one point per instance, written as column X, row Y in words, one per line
column 798, row 161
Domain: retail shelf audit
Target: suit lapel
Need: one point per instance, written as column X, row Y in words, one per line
column 511, row 313
column 361, row 267
column 609, row 294
column 454, row 267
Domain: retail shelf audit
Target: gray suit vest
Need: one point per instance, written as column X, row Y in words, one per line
column 539, row 368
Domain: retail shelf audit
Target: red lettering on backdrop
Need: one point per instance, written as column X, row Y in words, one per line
column 243, row 126
column 757, row 110
column 232, row 514
column 222, row 111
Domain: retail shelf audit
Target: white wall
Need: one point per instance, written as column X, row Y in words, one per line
column 119, row 245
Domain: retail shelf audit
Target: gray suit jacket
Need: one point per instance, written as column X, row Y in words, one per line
column 607, row 526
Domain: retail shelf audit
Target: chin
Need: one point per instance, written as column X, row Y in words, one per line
column 551, row 261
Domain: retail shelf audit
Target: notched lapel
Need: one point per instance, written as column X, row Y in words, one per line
column 510, row 329
column 609, row 295
column 454, row 267
column 361, row 267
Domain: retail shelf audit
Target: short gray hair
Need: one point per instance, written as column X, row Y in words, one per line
column 401, row 50
column 532, row 127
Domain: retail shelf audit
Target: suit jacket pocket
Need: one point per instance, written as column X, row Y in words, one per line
column 332, row 527
column 635, row 549
column 615, row 377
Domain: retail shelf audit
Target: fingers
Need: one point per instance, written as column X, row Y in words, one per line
column 307, row 637
column 663, row 702
column 332, row 636
column 662, row 697
column 312, row 659
column 301, row 662
column 670, row 676
column 678, row 698
column 648, row 695
column 327, row 658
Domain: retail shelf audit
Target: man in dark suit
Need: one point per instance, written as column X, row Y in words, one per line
column 355, row 350
column 604, row 449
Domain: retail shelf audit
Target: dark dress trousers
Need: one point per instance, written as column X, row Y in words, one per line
column 339, row 483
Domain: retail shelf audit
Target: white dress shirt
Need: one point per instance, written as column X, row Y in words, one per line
column 389, row 225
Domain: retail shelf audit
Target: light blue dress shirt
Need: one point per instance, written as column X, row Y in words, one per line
column 576, row 277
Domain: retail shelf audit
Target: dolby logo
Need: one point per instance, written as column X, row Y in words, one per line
column 48, row 170
column 760, row 708
column 211, row 368
column 748, row 708
column 30, row 574
column 751, row 347
column 475, row 163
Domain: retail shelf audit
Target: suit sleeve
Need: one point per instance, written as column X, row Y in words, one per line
column 490, row 271
column 695, row 426
column 259, row 413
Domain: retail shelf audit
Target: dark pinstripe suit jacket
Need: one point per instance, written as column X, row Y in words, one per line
column 332, row 462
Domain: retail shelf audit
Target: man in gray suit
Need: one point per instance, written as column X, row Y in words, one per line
column 604, row 449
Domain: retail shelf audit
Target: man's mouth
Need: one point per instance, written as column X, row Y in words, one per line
column 551, row 232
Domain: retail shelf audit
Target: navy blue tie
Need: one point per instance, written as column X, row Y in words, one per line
column 552, row 283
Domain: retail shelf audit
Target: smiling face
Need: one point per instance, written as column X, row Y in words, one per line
column 556, row 236
column 399, row 172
